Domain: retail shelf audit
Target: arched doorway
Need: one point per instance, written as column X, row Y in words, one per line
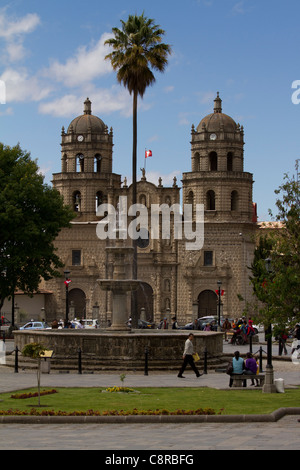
column 145, row 300
column 207, row 303
column 77, row 299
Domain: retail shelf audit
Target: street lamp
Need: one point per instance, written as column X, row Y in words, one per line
column 269, row 386
column 67, row 282
column 219, row 304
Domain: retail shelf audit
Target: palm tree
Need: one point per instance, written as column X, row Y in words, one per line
column 137, row 50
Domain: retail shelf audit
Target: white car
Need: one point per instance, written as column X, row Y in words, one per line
column 88, row 323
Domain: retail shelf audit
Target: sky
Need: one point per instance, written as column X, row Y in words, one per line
column 52, row 59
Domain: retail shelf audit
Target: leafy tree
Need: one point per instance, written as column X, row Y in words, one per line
column 137, row 50
column 31, row 217
column 279, row 289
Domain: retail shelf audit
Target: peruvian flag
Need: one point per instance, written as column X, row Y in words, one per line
column 148, row 153
column 67, row 281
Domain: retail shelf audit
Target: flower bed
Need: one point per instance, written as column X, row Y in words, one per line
column 22, row 396
column 136, row 412
column 120, row 390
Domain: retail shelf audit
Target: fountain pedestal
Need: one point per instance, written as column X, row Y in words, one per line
column 119, row 285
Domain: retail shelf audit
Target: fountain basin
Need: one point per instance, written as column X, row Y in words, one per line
column 111, row 350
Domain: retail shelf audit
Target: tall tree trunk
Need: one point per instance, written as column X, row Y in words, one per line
column 134, row 312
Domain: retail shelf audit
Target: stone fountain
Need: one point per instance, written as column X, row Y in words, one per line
column 119, row 285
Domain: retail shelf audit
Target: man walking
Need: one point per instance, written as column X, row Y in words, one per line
column 188, row 357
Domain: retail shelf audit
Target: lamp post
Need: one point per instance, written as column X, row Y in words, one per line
column 219, row 304
column 67, row 282
column 269, row 386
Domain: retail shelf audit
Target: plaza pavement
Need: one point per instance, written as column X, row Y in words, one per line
column 283, row 434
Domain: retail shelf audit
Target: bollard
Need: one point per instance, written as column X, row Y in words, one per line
column 205, row 361
column 260, row 359
column 250, row 341
column 146, row 360
column 16, row 360
column 79, row 362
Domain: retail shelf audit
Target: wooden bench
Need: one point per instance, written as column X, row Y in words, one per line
column 238, row 379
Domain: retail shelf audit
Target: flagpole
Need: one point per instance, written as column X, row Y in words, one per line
column 145, row 161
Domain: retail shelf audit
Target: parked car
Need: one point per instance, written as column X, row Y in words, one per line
column 35, row 325
column 88, row 323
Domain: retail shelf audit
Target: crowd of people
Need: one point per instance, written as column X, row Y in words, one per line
column 240, row 328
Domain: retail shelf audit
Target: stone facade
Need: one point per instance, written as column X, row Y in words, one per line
column 176, row 281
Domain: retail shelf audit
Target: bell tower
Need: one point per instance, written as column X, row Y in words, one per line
column 86, row 177
column 217, row 179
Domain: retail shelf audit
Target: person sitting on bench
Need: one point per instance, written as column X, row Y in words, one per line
column 251, row 367
column 238, row 368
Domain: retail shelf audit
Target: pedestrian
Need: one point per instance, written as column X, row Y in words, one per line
column 188, row 357
column 238, row 367
column 174, row 324
column 251, row 367
column 282, row 337
column 226, row 327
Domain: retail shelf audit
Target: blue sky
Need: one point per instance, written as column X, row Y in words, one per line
column 52, row 58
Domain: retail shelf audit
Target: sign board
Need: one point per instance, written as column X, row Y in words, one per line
column 47, row 354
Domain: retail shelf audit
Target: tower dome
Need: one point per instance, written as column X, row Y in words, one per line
column 82, row 124
column 217, row 121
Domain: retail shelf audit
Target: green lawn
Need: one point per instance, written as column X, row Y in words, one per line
column 171, row 399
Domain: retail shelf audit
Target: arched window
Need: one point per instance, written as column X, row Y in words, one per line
column 196, row 162
column 190, row 198
column 77, row 201
column 213, row 161
column 229, row 161
column 97, row 163
column 234, row 201
column 99, row 199
column 210, row 201
column 79, row 163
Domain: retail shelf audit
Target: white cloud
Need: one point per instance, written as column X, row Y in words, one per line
column 86, row 65
column 15, row 51
column 104, row 101
column 13, row 32
column 10, row 28
column 22, row 87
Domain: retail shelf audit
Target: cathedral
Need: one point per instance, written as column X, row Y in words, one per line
column 175, row 281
